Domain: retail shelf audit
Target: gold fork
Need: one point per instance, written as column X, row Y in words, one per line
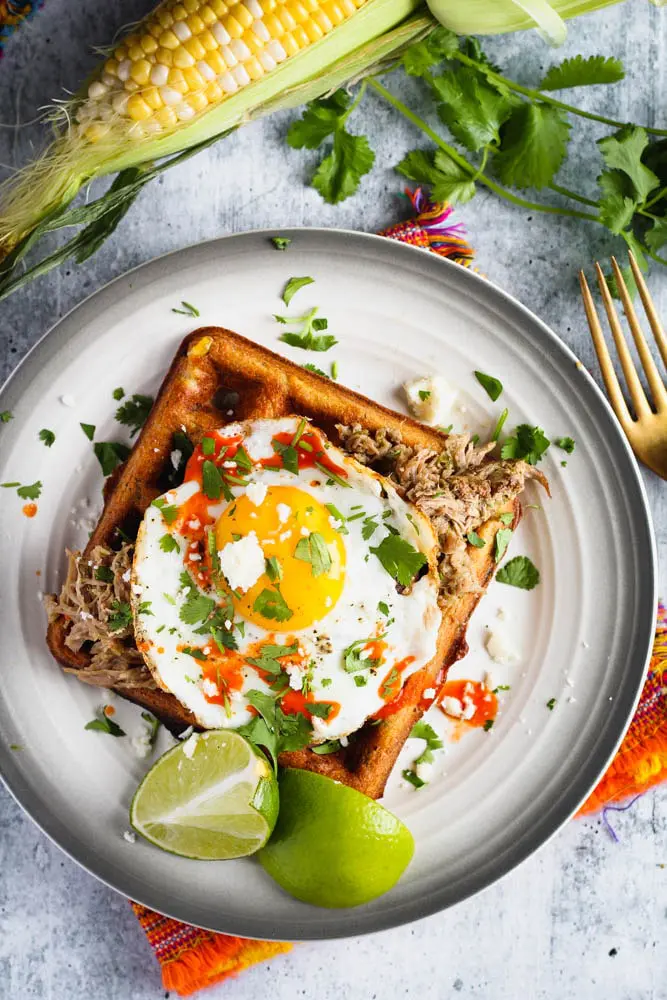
column 647, row 433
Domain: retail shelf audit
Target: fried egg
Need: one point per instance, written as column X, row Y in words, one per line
column 282, row 567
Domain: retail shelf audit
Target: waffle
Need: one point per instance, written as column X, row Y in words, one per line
column 218, row 377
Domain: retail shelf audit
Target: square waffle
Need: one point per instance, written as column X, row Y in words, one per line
column 218, row 377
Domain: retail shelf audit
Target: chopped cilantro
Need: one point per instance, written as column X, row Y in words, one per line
column 413, row 523
column 506, row 518
column 424, row 394
column 334, row 370
column 313, row 368
column 280, row 242
column 313, row 549
column 353, row 659
column 196, row 654
column 413, row 779
column 88, row 430
column 503, row 537
column 110, row 454
column 493, row 386
column 474, row 539
column 501, row 423
column 145, row 608
column 321, row 709
column 551, row 704
column 325, row 682
column 134, row 411
column 383, row 608
column 187, row 310
column 31, row 492
column 288, row 454
column 212, row 482
column 105, row 574
column 274, row 570
column 168, row 511
column 519, row 572
column 423, row 731
column 308, row 337
column 360, row 680
column 154, row 726
column 529, row 443
column 103, row 724
column 207, row 446
column 272, row 605
column 47, row 437
column 566, row 443
column 269, row 658
column 273, row 729
column 488, row 725
column 118, row 393
column 292, row 287
column 6, row 416
column 330, row 746
column 400, row 559
column 120, row 617
column 332, row 476
column 9, row 486
column 168, row 543
column 500, row 687
column 196, row 608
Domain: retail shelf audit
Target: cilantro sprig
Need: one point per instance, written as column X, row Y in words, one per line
column 400, row 559
column 422, row 731
column 273, row 729
column 314, row 550
column 309, row 337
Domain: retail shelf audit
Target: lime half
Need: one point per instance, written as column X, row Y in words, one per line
column 211, row 798
column 333, row 846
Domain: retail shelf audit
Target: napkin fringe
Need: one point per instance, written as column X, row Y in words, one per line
column 214, row 960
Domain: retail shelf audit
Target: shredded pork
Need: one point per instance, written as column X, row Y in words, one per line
column 458, row 489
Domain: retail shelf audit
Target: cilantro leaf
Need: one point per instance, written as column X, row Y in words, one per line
column 623, row 151
column 118, row 393
column 399, row 558
column 307, row 337
column 274, row 570
column 269, row 658
column 120, row 617
column 566, row 443
column 313, row 549
column 319, row 121
column 288, row 454
column 617, row 203
column 273, row 729
column 6, row 416
column 354, row 661
column 471, row 107
column 503, row 536
column 423, row 731
column 293, row 286
column 448, row 181
column 413, row 778
column 579, row 71
column 280, row 242
column 105, row 574
column 134, row 411
column 339, row 174
column 196, row 608
column 168, row 543
column 154, row 726
column 31, row 492
column 47, row 436
column 421, row 56
column 329, row 746
column 533, row 146
column 519, row 572
column 212, row 483
column 529, row 443
column 103, row 724
column 196, row 654
column 313, row 368
column 474, row 539
column 88, row 430
column 656, row 237
column 223, row 637
column 272, row 605
column 488, row 725
column 187, row 310
column 551, row 704
column 507, row 519
column 110, row 454
column 368, row 528
column 493, row 386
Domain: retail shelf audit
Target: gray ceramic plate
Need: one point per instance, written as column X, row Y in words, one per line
column 581, row 637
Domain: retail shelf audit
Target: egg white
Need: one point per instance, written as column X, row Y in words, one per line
column 416, row 615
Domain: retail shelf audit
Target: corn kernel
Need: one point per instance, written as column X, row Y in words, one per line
column 130, row 86
column 219, row 7
column 286, row 19
column 348, row 7
column 111, row 67
column 268, row 6
column 191, row 6
column 141, row 71
column 165, row 57
column 135, row 52
column 120, row 53
column 130, row 40
column 213, row 93
column 253, row 7
column 154, row 29
column 240, row 75
column 193, row 78
column 311, row 5
column 207, row 15
column 119, row 103
column 206, row 71
column 298, row 12
column 195, row 48
column 289, row 43
column 159, row 75
column 333, row 12
column 312, row 30
column 322, row 21
column 137, row 108
column 168, row 40
column 151, row 95
column 232, row 26
column 195, row 24
column 183, row 59
column 179, row 13
column 253, row 68
column 208, row 40
column 197, row 101
column 166, row 117
column 177, row 81
column 260, row 31
column 243, row 15
column 301, row 36
column 220, row 33
column 274, row 26
column 228, row 55
column 201, row 348
column 253, row 42
column 148, row 45
column 96, row 131
column 228, row 83
column 164, row 18
column 216, row 62
column 181, row 31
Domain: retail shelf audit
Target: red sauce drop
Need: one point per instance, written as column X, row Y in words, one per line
column 484, row 700
column 308, row 457
column 391, row 688
column 224, row 450
column 293, row 702
column 29, row 509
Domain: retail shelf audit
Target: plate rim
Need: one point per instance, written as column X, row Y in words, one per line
column 408, row 911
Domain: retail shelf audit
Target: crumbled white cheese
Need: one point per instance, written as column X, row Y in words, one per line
column 141, row 742
column 67, row 399
column 228, row 623
column 176, row 457
column 136, row 589
column 305, row 532
column 210, row 688
column 434, row 404
column 256, row 493
column 500, row 648
column 294, row 674
column 242, row 562
column 187, row 733
column 424, row 771
column 344, row 741
column 452, row 706
column 285, row 535
column 194, row 523
column 229, row 465
column 129, row 836
column 469, row 708
column 283, row 511
column 195, row 557
column 190, row 746
column 429, row 693
column 489, row 681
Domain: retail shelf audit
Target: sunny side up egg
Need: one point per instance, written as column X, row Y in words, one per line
column 283, row 566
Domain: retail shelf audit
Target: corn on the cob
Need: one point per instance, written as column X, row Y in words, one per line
column 194, row 69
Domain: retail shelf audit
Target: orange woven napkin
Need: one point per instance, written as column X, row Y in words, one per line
column 192, row 958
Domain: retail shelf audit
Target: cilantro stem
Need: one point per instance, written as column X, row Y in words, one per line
column 656, row 197
column 538, row 95
column 469, row 168
column 566, row 193
column 654, row 256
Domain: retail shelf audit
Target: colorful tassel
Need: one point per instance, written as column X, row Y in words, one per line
column 430, row 230
column 12, row 13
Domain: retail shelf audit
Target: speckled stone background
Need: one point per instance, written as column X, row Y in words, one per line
column 586, row 917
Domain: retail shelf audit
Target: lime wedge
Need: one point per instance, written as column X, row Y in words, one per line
column 211, row 798
column 333, row 846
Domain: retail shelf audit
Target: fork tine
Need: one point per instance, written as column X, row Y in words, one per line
column 606, row 366
column 656, row 325
column 653, row 376
column 639, row 401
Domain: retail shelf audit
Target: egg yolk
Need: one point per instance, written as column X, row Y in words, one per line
column 309, row 585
